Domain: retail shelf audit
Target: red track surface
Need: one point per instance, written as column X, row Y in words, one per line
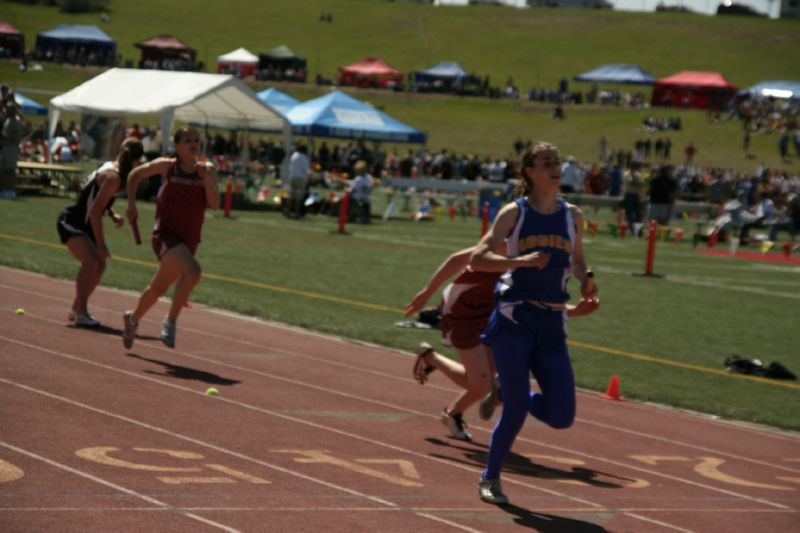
column 311, row 431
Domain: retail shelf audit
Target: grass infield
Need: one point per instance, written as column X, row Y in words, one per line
column 665, row 338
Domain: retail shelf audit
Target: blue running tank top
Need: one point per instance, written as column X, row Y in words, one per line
column 554, row 234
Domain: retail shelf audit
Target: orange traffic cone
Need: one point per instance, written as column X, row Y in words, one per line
column 612, row 392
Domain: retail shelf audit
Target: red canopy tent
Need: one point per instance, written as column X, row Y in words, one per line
column 370, row 72
column 164, row 48
column 12, row 41
column 698, row 90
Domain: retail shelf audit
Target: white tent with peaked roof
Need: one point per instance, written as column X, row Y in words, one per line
column 191, row 97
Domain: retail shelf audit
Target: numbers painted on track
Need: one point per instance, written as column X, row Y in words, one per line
column 102, row 455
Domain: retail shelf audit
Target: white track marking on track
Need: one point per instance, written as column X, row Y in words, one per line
column 763, row 431
column 300, row 383
column 277, row 414
column 383, row 351
column 358, row 437
column 658, row 522
column 124, row 490
column 386, row 351
column 207, row 444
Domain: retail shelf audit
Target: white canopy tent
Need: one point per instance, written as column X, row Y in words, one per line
column 187, row 96
column 242, row 58
column 240, row 55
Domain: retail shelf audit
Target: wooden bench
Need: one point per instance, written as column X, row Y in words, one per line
column 35, row 177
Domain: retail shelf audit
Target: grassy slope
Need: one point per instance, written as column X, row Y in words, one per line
column 706, row 309
column 536, row 47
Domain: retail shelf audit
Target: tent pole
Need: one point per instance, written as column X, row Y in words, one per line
column 52, row 119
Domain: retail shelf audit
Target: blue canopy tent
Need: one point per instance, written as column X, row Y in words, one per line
column 341, row 116
column 444, row 70
column 618, row 73
column 28, row 106
column 278, row 100
column 776, row 89
column 74, row 43
column 442, row 77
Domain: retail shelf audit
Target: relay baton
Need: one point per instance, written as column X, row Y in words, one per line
column 589, row 281
column 136, row 236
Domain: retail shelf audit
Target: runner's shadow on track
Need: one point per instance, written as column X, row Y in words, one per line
column 520, row 464
column 107, row 330
column 183, row 372
column 548, row 523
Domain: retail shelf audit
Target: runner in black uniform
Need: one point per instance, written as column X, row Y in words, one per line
column 80, row 226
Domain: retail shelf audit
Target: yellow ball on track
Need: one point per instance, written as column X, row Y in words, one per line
column 20, row 311
column 211, row 391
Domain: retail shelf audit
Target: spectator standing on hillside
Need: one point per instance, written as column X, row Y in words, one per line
column 571, row 175
column 615, row 180
column 299, row 171
column 632, row 199
column 690, row 151
column 663, row 191
column 360, row 191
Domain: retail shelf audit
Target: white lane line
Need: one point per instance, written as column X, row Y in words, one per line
column 385, row 351
column 200, row 442
column 256, row 409
column 682, row 480
column 403, row 509
column 378, row 443
column 163, row 506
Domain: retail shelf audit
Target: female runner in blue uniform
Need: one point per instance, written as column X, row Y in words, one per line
column 527, row 330
column 80, row 225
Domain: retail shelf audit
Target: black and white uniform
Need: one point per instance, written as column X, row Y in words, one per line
column 74, row 221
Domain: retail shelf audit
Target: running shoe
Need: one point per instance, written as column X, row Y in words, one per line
column 491, row 492
column 455, row 423
column 128, row 329
column 168, row 332
column 422, row 368
column 72, row 317
column 85, row 320
column 490, row 402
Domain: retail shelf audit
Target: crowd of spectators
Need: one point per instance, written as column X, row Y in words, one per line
column 74, row 54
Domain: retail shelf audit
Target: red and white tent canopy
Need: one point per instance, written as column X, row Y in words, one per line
column 240, row 59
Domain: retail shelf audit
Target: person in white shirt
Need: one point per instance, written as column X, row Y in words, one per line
column 299, row 170
column 360, row 191
column 571, row 176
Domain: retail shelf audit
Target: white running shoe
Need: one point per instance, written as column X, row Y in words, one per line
column 490, row 491
column 85, row 320
column 456, row 425
column 490, row 402
column 72, row 316
column 128, row 329
column 168, row 332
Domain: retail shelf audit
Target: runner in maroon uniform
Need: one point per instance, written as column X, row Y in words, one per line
column 466, row 305
column 188, row 187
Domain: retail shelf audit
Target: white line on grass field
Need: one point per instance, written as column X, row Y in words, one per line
column 706, row 282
